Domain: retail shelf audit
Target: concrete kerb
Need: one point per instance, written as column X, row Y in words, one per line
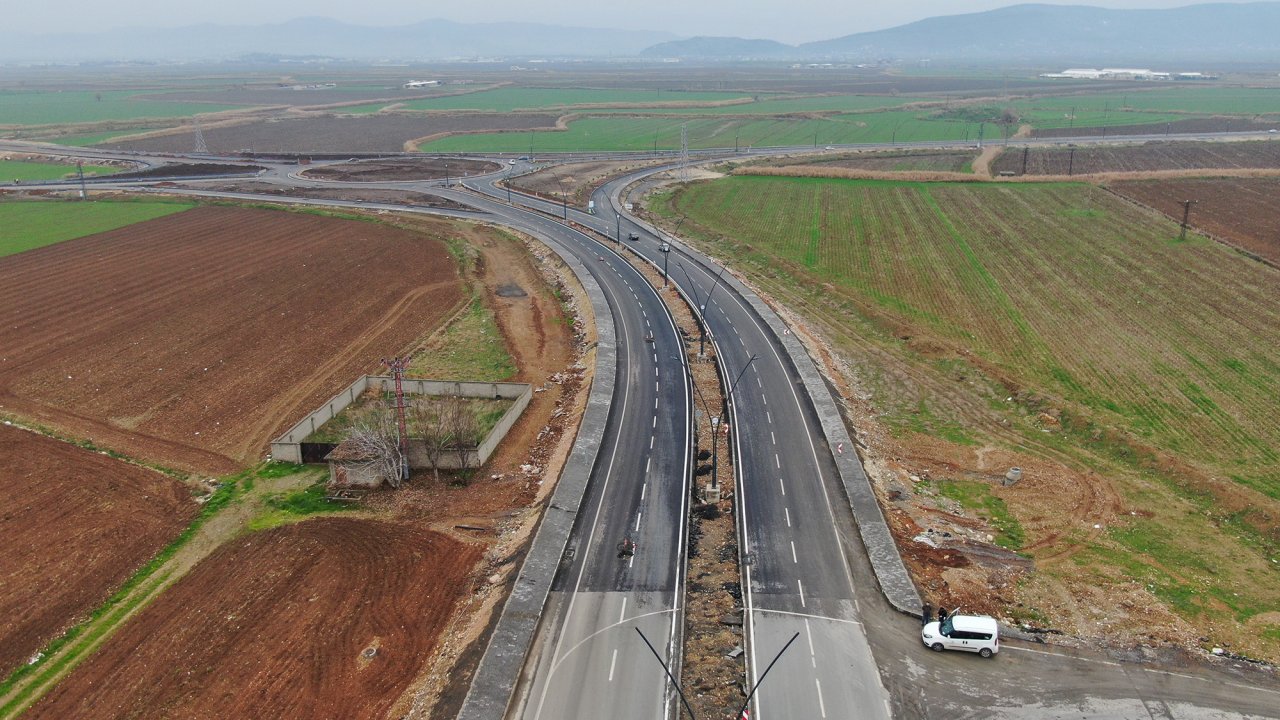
column 891, row 573
column 495, row 679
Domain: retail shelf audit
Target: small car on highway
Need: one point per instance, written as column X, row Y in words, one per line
column 974, row 633
column 633, row 236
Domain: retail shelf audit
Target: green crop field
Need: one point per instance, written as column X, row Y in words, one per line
column 24, row 170
column 1199, row 99
column 79, row 106
column 29, row 225
column 523, row 98
column 1158, row 355
column 92, row 138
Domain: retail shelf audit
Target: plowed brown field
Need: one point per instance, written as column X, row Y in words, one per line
column 193, row 339
column 1239, row 210
column 75, row 525
column 329, row 618
column 1261, row 154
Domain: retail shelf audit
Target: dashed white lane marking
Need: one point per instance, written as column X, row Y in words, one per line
column 642, row 312
column 769, row 415
column 758, row 383
column 783, row 486
column 809, row 634
column 650, row 442
column 777, row 461
column 613, row 662
column 788, row 512
column 646, row 465
column 741, row 342
column 623, row 614
column 655, row 372
column 638, row 516
column 793, row 553
column 643, row 488
column 773, row 437
column 764, row 398
column 800, row 584
column 655, row 386
column 655, row 421
column 821, row 706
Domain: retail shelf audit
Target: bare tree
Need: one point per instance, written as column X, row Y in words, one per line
column 375, row 442
column 464, row 429
column 430, row 419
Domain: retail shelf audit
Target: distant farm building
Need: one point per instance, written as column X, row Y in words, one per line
column 1125, row 74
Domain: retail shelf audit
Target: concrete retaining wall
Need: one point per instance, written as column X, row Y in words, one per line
column 288, row 447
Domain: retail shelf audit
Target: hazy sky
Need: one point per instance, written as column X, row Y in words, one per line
column 790, row 21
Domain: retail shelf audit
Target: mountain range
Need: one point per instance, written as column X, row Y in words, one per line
column 1033, row 33
column 1075, row 34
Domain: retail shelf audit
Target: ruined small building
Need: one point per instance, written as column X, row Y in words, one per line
column 354, row 466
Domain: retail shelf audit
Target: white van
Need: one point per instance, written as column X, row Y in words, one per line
column 975, row 633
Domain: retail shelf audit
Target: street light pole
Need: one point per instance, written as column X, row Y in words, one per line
column 702, row 325
column 446, row 174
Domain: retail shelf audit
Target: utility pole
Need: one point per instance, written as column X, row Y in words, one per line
column 446, row 174
column 80, row 171
column 397, row 366
column 1071, row 161
column 1186, row 217
column 1025, row 151
column 617, row 227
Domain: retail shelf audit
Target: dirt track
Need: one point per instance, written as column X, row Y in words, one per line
column 300, row 608
column 75, row 524
column 193, row 339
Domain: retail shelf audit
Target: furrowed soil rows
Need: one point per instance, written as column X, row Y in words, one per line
column 1239, row 210
column 328, row 618
column 1190, row 125
column 898, row 161
column 373, row 133
column 1142, row 158
column 193, row 339
column 76, row 524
